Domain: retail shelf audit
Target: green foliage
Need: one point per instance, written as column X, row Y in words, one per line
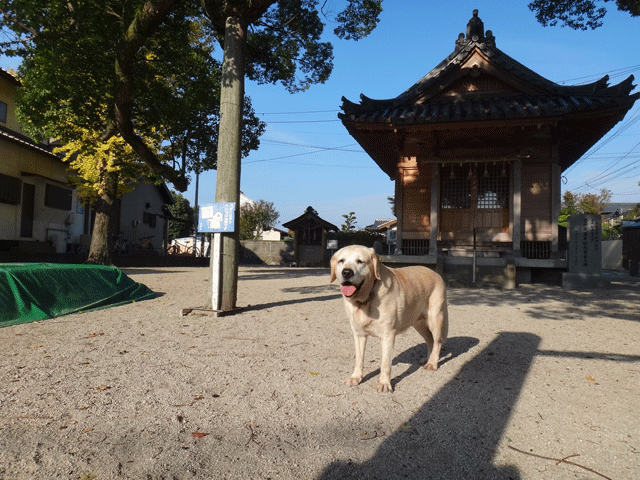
column 284, row 43
column 578, row 14
column 358, row 237
column 349, row 224
column 181, row 210
column 633, row 213
column 610, row 232
column 574, row 203
column 72, row 79
column 255, row 218
column 359, row 19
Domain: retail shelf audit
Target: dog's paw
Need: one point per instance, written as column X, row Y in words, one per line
column 384, row 387
column 353, row 381
column 430, row 366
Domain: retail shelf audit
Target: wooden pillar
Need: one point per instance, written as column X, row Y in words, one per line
column 398, row 207
column 556, row 199
column 517, row 205
column 435, row 205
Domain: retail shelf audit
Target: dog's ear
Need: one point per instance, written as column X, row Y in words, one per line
column 334, row 261
column 375, row 263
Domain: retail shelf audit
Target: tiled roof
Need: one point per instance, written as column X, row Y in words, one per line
column 497, row 108
column 545, row 99
column 504, row 91
column 16, row 137
column 309, row 217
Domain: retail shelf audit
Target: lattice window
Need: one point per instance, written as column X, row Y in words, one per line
column 477, row 186
column 415, row 246
column 456, row 186
column 493, row 186
column 535, row 250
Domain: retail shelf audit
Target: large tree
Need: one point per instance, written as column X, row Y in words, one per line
column 141, row 71
column 269, row 41
column 578, row 14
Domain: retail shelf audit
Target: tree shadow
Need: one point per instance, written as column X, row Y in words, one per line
column 269, row 272
column 534, row 300
column 263, row 306
column 456, row 433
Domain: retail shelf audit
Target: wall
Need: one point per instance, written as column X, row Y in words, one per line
column 416, row 198
column 536, row 202
column 612, row 254
column 266, row 252
column 630, row 245
column 133, row 208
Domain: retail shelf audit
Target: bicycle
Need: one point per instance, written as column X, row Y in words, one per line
column 144, row 243
column 121, row 244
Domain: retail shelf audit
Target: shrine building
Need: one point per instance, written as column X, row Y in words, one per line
column 477, row 148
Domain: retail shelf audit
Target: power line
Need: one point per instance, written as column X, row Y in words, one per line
column 320, row 149
column 299, row 113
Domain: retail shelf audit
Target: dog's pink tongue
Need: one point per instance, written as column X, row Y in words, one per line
column 348, row 290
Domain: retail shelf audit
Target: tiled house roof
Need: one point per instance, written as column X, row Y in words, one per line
column 25, row 141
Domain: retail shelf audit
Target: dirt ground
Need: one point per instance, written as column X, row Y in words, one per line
column 535, row 383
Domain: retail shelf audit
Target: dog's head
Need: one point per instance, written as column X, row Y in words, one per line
column 356, row 268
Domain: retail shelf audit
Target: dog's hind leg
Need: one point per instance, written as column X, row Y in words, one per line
column 438, row 325
column 423, row 330
column 434, row 331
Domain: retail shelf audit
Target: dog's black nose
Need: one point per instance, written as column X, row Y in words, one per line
column 347, row 273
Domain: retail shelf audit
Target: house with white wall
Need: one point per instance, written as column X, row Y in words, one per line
column 40, row 210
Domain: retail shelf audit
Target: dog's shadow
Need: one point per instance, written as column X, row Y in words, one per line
column 451, row 349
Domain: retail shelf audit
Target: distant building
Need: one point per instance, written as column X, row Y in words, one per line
column 310, row 236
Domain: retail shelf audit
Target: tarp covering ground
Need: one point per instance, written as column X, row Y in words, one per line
column 37, row 291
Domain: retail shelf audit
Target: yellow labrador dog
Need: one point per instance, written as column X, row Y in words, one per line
column 382, row 302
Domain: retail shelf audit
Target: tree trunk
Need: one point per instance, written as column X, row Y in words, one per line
column 229, row 138
column 104, row 225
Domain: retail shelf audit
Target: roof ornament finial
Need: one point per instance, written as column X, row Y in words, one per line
column 475, row 28
column 475, row 33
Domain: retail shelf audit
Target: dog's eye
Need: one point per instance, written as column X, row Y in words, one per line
column 359, row 262
column 341, row 261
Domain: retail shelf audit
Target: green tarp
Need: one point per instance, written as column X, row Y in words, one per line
column 36, row 291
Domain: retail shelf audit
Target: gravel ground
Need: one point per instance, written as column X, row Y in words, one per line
column 536, row 383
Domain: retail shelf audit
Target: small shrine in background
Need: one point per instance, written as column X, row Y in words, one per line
column 310, row 233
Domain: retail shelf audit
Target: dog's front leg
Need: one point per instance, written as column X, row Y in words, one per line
column 356, row 377
column 387, row 342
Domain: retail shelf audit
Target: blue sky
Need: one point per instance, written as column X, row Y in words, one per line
column 306, row 157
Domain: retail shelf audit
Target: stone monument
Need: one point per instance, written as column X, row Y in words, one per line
column 585, row 252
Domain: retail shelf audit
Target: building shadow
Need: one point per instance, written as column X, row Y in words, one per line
column 452, row 348
column 456, row 433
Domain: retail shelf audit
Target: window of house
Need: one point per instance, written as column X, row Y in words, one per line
column 149, row 219
column 3, row 112
column 10, row 189
column 57, row 197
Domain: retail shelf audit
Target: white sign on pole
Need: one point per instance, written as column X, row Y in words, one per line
column 217, row 217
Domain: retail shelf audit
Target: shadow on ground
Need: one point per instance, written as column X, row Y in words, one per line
column 455, row 434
